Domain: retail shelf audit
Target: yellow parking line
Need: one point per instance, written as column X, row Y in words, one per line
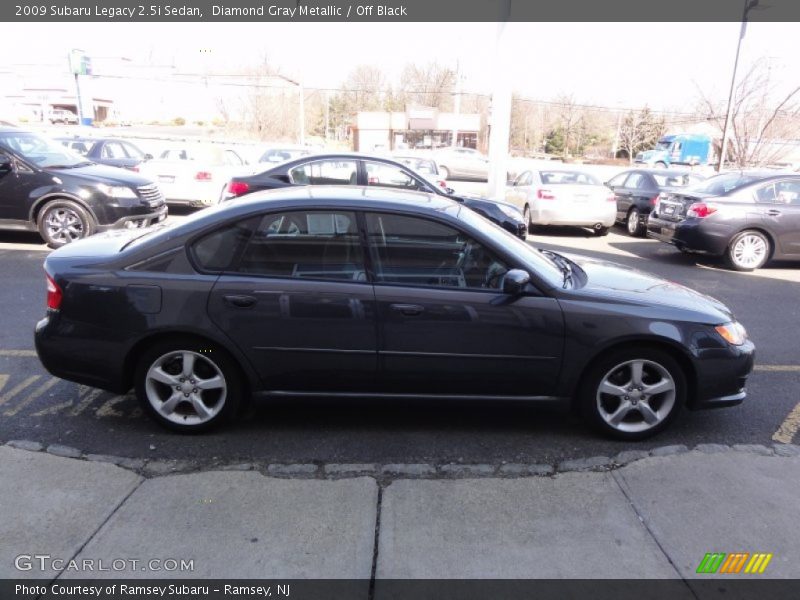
column 789, row 427
column 17, row 389
column 32, row 396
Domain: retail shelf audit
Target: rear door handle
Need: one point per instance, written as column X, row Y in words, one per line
column 408, row 309
column 240, row 301
column 774, row 212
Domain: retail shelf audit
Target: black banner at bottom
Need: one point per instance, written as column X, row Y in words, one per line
column 403, row 589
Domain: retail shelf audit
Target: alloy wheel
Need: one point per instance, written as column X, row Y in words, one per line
column 636, row 395
column 64, row 225
column 749, row 251
column 185, row 387
column 633, row 222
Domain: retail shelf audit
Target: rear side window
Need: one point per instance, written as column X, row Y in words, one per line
column 326, row 172
column 306, row 245
column 220, row 250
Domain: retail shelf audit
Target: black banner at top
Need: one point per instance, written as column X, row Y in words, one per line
column 399, row 11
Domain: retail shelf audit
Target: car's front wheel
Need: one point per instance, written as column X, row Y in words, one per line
column 526, row 215
column 188, row 386
column 63, row 221
column 748, row 250
column 633, row 393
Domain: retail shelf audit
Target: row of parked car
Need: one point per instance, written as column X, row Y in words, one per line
column 67, row 191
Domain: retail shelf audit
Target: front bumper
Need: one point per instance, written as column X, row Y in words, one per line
column 722, row 376
column 136, row 221
column 692, row 234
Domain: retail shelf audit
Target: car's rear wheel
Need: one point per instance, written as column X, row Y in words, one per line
column 633, row 393
column 188, row 386
column 62, row 222
column 660, row 165
column 748, row 250
column 634, row 224
column 444, row 173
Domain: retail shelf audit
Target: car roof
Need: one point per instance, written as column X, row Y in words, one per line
column 355, row 194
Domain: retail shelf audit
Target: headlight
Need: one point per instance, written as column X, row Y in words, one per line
column 510, row 211
column 734, row 333
column 121, row 192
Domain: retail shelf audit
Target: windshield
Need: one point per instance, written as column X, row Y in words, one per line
column 663, row 145
column 39, row 150
column 722, row 184
column 535, row 259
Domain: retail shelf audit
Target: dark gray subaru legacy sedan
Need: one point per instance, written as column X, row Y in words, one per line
column 365, row 292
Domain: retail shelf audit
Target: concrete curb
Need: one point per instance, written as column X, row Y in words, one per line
column 151, row 468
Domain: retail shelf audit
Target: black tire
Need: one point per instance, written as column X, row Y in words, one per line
column 66, row 211
column 210, row 361
column 633, row 223
column 526, row 215
column 660, row 165
column 760, row 244
column 617, row 366
column 601, row 231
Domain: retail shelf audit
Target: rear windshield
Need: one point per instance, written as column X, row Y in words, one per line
column 567, row 177
column 678, row 180
column 722, row 184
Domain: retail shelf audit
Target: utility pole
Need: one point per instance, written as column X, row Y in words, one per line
column 501, row 107
column 615, row 148
column 457, row 102
column 327, row 113
column 302, row 113
column 748, row 5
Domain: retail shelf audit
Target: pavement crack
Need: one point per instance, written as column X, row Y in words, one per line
column 371, row 594
column 98, row 528
column 619, row 480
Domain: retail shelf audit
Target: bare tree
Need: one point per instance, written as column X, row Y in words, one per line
column 764, row 123
column 639, row 131
column 430, row 84
column 569, row 116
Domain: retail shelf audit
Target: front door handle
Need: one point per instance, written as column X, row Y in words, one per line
column 410, row 310
column 774, row 212
column 240, row 301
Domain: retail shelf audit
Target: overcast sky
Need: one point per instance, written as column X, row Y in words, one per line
column 629, row 64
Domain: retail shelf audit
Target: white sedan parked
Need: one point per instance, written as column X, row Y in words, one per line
column 562, row 197
column 195, row 174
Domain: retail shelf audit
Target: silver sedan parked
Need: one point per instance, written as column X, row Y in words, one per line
column 562, row 197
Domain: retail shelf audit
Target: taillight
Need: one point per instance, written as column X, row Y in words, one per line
column 611, row 198
column 134, row 168
column 237, row 188
column 654, row 200
column 545, row 195
column 54, row 294
column 203, row 176
column 701, row 210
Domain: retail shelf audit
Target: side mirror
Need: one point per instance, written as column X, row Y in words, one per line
column 449, row 190
column 6, row 164
column 514, row 282
column 148, row 156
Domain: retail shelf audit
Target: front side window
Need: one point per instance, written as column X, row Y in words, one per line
column 779, row 192
column 306, row 245
column 383, row 175
column 635, row 180
column 113, row 150
column 326, row 172
column 417, row 252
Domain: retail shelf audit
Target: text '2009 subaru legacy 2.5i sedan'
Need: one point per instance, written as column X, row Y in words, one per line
column 356, row 291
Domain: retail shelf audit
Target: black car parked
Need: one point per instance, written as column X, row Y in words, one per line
column 45, row 187
column 108, row 151
column 747, row 217
column 371, row 171
column 356, row 291
column 637, row 192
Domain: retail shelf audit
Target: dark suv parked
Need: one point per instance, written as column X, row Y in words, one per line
column 747, row 217
column 108, row 151
column 46, row 187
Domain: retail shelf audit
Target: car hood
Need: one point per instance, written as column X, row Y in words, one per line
column 101, row 174
column 612, row 280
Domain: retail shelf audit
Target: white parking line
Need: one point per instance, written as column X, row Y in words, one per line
column 777, row 368
column 17, row 352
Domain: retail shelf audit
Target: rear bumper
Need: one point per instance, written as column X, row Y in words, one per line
column 694, row 235
column 586, row 218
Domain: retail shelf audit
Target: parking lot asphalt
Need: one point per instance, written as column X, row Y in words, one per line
column 36, row 406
